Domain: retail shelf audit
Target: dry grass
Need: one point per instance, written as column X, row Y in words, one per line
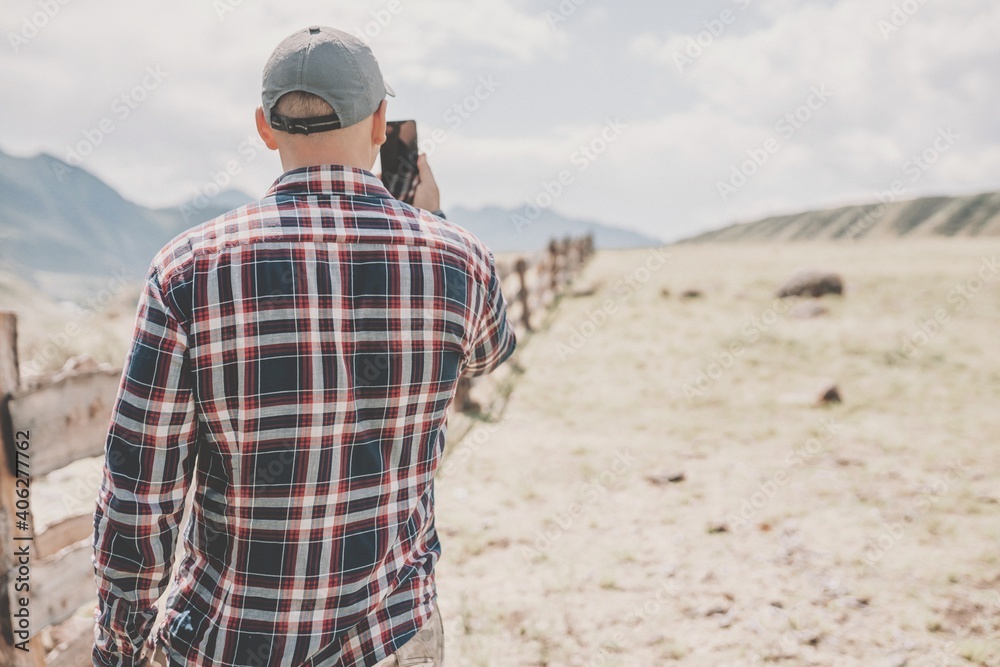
column 49, row 332
column 871, row 540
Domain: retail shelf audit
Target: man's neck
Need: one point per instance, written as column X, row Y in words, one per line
column 298, row 160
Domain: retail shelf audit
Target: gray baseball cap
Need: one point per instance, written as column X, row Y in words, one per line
column 330, row 64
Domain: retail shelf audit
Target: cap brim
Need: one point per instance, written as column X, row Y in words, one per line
column 388, row 89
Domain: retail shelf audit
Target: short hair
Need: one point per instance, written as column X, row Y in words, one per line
column 300, row 104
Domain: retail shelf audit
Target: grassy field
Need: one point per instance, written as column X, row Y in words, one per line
column 859, row 533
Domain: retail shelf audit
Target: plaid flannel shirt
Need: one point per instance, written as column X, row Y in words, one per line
column 294, row 361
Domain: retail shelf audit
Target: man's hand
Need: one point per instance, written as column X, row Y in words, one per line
column 427, row 195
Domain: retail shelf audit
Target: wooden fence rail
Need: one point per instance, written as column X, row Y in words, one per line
column 531, row 286
column 47, row 427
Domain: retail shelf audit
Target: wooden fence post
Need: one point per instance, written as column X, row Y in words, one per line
column 568, row 262
column 523, row 294
column 463, row 396
column 554, row 267
column 10, row 656
column 551, row 274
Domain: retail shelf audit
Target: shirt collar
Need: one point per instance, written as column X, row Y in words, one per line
column 330, row 179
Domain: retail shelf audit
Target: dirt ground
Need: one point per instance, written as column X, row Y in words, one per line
column 661, row 489
column 860, row 533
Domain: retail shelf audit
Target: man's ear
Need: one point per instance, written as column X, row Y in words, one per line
column 265, row 131
column 378, row 126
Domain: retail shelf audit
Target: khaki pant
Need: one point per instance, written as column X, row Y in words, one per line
column 425, row 649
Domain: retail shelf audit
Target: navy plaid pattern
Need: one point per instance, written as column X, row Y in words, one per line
column 294, row 361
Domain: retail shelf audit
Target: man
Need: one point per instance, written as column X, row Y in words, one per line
column 294, row 361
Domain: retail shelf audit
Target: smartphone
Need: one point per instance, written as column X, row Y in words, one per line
column 399, row 159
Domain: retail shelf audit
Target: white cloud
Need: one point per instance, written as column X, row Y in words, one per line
column 89, row 54
column 559, row 86
column 890, row 96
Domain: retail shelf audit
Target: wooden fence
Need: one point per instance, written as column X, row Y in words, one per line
column 46, row 574
column 532, row 286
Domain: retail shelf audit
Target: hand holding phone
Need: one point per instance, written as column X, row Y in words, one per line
column 399, row 153
column 428, row 196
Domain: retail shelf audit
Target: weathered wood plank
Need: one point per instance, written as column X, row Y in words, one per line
column 62, row 534
column 9, row 380
column 61, row 585
column 9, row 373
column 68, row 420
column 75, row 652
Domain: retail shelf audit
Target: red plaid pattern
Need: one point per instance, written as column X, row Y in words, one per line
column 294, row 361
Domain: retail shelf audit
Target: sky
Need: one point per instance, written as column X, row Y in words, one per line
column 668, row 118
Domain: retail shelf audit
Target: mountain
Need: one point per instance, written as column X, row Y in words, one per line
column 67, row 233
column 511, row 231
column 200, row 209
column 970, row 215
column 57, row 218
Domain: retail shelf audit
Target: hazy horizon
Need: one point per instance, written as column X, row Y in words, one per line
column 698, row 115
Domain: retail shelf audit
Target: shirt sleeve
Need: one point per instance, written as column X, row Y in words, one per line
column 149, row 457
column 495, row 338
